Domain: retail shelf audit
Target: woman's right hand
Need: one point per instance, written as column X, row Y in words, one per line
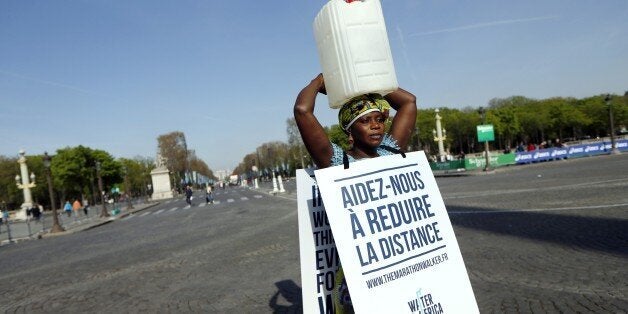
column 320, row 80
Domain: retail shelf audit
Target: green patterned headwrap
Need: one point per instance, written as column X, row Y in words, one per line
column 359, row 106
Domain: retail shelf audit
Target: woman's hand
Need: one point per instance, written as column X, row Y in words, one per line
column 320, row 80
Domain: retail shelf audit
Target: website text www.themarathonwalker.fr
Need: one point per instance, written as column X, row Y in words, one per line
column 405, row 271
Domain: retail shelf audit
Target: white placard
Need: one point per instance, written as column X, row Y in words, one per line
column 398, row 249
column 319, row 257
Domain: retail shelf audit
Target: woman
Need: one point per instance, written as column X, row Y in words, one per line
column 362, row 118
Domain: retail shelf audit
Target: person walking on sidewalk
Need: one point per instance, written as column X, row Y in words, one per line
column 209, row 198
column 68, row 208
column 76, row 206
column 188, row 195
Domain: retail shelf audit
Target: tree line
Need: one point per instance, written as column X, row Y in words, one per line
column 516, row 120
column 74, row 174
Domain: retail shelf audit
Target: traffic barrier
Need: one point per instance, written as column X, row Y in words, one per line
column 557, row 153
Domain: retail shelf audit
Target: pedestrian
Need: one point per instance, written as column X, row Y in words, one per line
column 35, row 212
column 530, row 147
column 363, row 121
column 68, row 208
column 209, row 197
column 85, row 207
column 188, row 195
column 76, row 207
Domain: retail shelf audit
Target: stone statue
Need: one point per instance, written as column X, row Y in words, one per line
column 161, row 179
column 160, row 161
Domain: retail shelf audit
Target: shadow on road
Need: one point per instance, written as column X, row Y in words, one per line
column 592, row 233
column 290, row 292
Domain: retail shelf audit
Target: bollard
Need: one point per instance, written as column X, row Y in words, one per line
column 9, row 230
column 43, row 220
column 28, row 224
column 275, row 190
column 280, row 181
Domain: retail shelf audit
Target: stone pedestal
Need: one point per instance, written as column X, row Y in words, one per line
column 161, row 183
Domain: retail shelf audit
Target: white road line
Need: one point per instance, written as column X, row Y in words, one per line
column 173, row 209
column 159, row 211
column 534, row 209
column 146, row 213
column 257, row 196
column 187, row 207
column 230, row 200
column 244, row 198
column 128, row 217
column 216, row 202
column 202, row 205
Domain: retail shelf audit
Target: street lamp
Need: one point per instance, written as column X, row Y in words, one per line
column 127, row 187
column 24, row 184
column 439, row 137
column 487, row 166
column 103, row 211
column 609, row 104
column 56, row 227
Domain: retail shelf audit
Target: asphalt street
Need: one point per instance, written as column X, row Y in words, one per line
column 543, row 238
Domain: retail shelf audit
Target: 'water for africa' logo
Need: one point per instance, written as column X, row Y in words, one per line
column 424, row 303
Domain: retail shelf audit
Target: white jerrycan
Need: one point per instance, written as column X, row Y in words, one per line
column 353, row 50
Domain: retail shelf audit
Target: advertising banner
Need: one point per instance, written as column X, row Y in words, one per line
column 397, row 246
column 575, row 151
column 319, row 258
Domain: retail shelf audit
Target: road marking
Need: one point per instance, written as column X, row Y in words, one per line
column 518, row 191
column 230, row 200
column 244, row 198
column 146, row 213
column 216, row 202
column 159, row 211
column 174, row 208
column 534, row 209
column 128, row 217
column 257, row 196
column 202, row 205
column 187, row 207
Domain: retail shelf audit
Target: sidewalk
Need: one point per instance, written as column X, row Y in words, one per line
column 28, row 230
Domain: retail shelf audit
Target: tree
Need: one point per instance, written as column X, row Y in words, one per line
column 74, row 171
column 173, row 147
column 138, row 174
column 9, row 193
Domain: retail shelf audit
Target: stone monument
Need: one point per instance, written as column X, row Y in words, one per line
column 161, row 180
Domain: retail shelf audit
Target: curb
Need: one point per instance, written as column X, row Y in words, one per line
column 93, row 225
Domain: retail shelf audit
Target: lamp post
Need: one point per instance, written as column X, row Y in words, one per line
column 127, row 188
column 24, row 184
column 487, row 166
column 255, row 175
column 609, row 104
column 439, row 137
column 103, row 211
column 56, row 227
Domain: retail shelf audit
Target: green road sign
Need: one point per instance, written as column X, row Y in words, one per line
column 485, row 133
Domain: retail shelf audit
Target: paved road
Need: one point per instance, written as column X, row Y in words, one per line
column 543, row 238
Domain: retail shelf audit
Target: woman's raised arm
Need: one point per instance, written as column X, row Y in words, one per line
column 313, row 134
column 403, row 123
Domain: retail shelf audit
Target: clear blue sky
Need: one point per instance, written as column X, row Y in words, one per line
column 114, row 75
